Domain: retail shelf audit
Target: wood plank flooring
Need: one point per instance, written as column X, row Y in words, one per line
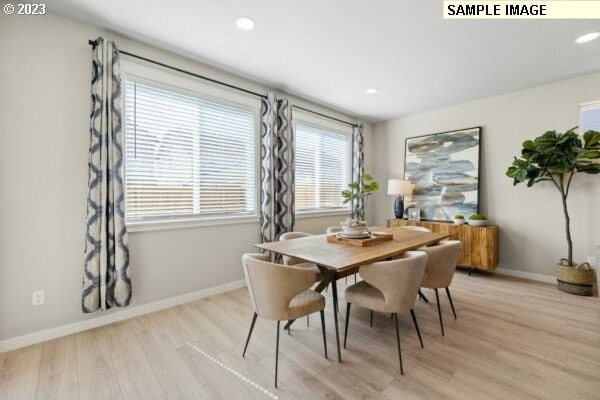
column 513, row 339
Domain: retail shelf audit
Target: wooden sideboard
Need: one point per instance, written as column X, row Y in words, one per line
column 479, row 243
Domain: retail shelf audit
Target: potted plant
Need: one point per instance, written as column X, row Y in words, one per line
column 359, row 192
column 459, row 219
column 478, row 220
column 556, row 158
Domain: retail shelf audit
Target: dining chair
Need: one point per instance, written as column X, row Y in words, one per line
column 441, row 264
column 336, row 229
column 415, row 228
column 293, row 261
column 389, row 287
column 280, row 293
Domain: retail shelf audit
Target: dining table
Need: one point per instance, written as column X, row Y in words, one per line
column 338, row 260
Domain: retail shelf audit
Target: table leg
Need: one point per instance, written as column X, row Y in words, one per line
column 335, row 318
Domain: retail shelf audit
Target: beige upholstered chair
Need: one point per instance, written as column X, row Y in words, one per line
column 287, row 260
column 441, row 265
column 280, row 293
column 415, row 228
column 389, row 287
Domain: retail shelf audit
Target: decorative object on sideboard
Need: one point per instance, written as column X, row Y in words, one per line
column 414, row 214
column 445, row 169
column 459, row 219
column 360, row 191
column 399, row 188
column 478, row 220
column 557, row 157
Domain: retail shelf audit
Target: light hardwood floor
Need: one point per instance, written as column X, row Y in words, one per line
column 513, row 339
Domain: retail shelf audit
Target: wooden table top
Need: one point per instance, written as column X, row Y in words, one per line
column 342, row 257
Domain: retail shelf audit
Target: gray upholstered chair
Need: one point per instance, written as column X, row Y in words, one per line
column 280, row 293
column 415, row 228
column 389, row 287
column 441, row 264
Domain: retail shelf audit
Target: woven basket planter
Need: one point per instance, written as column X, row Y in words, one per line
column 578, row 279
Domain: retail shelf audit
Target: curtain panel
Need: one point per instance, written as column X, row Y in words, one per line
column 277, row 169
column 106, row 275
column 358, row 161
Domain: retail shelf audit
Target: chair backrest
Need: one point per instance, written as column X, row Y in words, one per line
column 272, row 286
column 441, row 264
column 287, row 260
column 399, row 279
column 415, row 228
column 334, row 229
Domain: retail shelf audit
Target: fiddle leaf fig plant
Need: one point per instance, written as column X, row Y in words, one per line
column 557, row 157
column 360, row 190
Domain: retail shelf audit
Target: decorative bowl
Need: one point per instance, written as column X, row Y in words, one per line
column 478, row 222
column 459, row 221
column 353, row 226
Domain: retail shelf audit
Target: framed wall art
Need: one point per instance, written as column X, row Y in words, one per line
column 445, row 170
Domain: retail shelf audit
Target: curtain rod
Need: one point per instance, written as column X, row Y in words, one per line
column 324, row 115
column 94, row 43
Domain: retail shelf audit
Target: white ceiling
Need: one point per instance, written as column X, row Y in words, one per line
column 331, row 51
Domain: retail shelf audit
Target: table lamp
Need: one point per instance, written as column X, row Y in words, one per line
column 399, row 187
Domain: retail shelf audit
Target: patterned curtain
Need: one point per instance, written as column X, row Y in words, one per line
column 277, row 169
column 106, row 281
column 358, row 160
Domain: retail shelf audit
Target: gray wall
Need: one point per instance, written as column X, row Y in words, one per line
column 532, row 237
column 45, row 71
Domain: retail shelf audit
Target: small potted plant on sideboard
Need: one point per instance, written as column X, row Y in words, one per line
column 459, row 219
column 478, row 220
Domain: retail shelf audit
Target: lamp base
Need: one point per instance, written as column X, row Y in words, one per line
column 399, row 207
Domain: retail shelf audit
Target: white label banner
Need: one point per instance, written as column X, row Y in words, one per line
column 524, row 9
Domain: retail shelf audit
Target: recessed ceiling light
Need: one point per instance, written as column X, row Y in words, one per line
column 372, row 90
column 588, row 37
column 245, row 23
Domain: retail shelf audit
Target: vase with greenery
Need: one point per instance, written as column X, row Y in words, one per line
column 556, row 158
column 360, row 191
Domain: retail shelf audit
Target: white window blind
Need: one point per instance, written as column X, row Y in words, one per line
column 589, row 117
column 323, row 167
column 187, row 157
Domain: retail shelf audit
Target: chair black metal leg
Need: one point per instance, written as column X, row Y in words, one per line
column 451, row 304
column 249, row 333
column 399, row 349
column 277, row 353
column 371, row 318
column 437, row 299
column 414, row 318
column 308, row 320
column 323, row 328
column 354, row 278
column 422, row 297
column 347, row 322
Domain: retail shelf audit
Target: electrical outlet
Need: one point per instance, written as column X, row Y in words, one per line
column 38, row 298
column 592, row 260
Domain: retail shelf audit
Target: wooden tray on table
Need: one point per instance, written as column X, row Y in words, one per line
column 371, row 240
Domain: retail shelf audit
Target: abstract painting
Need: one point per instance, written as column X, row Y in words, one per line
column 445, row 170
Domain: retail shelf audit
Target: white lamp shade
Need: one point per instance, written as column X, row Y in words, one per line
column 399, row 187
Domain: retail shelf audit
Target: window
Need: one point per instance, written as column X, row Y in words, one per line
column 187, row 155
column 323, row 165
column 589, row 116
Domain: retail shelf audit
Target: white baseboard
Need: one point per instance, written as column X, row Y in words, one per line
column 526, row 275
column 126, row 313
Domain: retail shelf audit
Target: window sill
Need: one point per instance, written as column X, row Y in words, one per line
column 324, row 213
column 188, row 223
